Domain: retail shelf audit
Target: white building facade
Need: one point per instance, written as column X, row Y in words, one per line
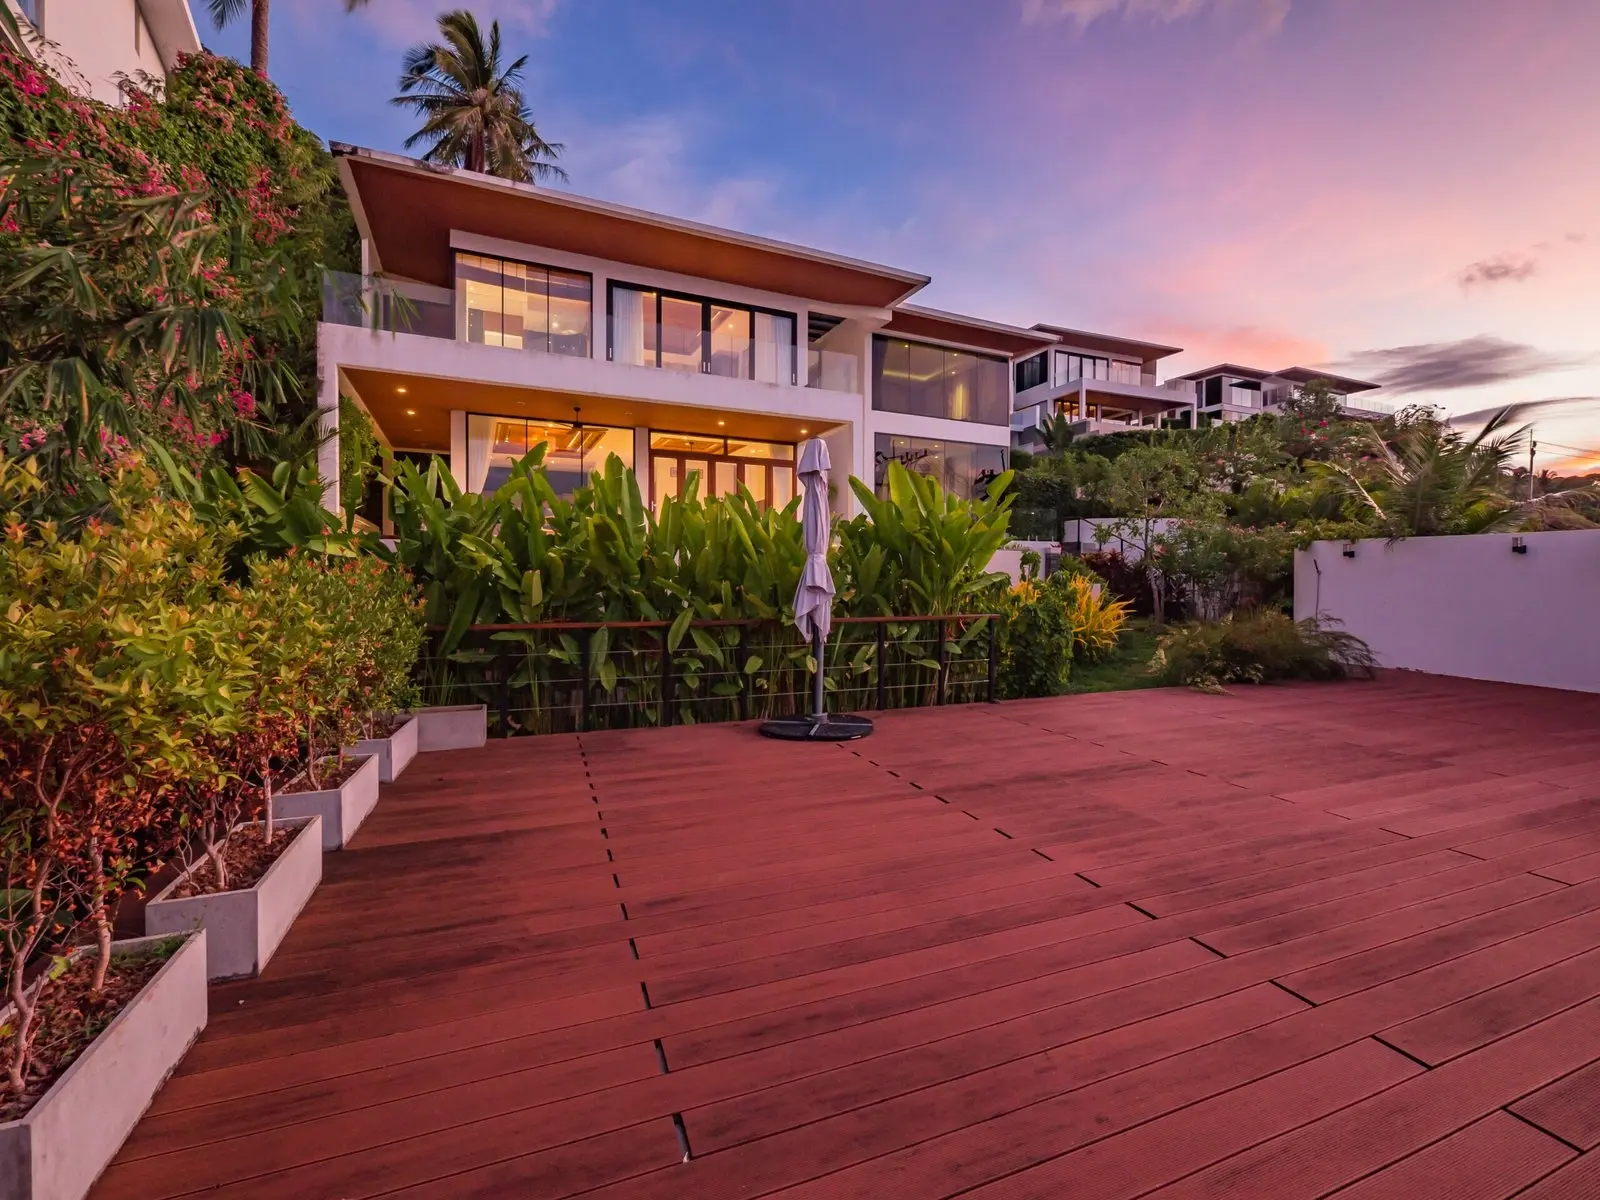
column 93, row 45
column 492, row 317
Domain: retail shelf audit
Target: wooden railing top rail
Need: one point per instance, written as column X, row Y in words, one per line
column 571, row 626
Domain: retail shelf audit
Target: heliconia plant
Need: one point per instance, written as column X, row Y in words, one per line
column 525, row 555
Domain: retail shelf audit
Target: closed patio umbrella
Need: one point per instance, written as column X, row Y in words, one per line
column 813, row 605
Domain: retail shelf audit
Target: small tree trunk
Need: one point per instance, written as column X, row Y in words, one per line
column 218, row 863
column 266, row 812
column 101, row 919
column 259, row 10
column 311, row 756
column 23, row 1009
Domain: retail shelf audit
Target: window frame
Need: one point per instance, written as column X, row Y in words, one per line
column 706, row 303
column 456, row 287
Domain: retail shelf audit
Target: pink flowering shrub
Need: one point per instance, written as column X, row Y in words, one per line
column 260, row 213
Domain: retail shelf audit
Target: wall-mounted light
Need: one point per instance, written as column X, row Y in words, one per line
column 1518, row 546
column 1349, row 549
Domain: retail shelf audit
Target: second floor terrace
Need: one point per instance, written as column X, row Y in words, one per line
column 477, row 260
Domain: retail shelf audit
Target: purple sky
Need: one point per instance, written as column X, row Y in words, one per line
column 1408, row 190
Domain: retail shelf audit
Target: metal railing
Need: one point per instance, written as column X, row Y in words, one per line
column 574, row 676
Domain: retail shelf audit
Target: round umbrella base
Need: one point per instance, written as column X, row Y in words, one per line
column 827, row 728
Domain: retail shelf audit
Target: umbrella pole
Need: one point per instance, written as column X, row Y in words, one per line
column 816, row 683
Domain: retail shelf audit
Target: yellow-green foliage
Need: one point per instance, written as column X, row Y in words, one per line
column 1094, row 616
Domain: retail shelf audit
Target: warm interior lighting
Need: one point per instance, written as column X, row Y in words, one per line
column 721, row 422
column 401, row 390
column 411, row 412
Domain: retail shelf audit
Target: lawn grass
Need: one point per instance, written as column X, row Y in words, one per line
column 1126, row 670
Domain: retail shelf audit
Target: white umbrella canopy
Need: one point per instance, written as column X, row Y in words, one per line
column 813, row 608
column 813, row 599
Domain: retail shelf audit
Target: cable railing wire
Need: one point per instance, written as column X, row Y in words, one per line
column 577, row 676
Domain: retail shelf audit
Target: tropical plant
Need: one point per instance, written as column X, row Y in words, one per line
column 474, row 113
column 117, row 668
column 1260, row 646
column 712, row 580
column 1150, row 485
column 1036, row 645
column 1095, row 618
column 116, row 324
column 1427, row 478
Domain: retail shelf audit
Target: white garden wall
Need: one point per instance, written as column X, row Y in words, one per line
column 1466, row 606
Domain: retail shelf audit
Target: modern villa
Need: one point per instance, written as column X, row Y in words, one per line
column 493, row 316
column 92, row 45
column 1229, row 392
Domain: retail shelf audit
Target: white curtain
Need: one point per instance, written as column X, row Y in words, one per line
column 774, row 348
column 627, row 326
column 480, row 430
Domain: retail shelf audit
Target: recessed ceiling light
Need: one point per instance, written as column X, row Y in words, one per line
column 805, row 431
column 411, row 412
column 721, row 422
column 401, row 390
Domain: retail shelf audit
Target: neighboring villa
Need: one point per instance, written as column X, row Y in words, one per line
column 1100, row 383
column 492, row 317
column 1229, row 392
column 92, row 45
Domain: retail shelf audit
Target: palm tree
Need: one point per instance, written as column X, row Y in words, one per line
column 474, row 112
column 225, row 12
column 1427, row 478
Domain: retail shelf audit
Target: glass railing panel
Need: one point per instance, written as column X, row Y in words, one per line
column 833, row 370
column 369, row 302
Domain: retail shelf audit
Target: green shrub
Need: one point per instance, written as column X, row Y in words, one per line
column 1260, row 646
column 1036, row 646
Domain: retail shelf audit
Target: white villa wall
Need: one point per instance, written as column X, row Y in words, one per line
column 95, row 40
column 1466, row 606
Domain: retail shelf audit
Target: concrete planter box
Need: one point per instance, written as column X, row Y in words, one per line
column 460, row 727
column 342, row 809
column 393, row 752
column 244, row 927
column 60, row 1148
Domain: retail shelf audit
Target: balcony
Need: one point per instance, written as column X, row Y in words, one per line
column 387, row 306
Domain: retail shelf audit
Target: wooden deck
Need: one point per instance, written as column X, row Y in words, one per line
column 1291, row 942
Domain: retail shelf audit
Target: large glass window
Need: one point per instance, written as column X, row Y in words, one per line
column 960, row 467
column 500, row 302
column 571, row 451
column 722, row 464
column 688, row 333
column 1031, row 372
column 1125, row 372
column 932, row 381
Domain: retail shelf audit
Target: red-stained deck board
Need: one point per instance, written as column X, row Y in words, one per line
column 1130, row 1164
column 1490, row 1159
column 1569, row 1108
column 886, row 969
column 1370, row 1135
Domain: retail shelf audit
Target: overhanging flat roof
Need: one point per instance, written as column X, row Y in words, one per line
column 1106, row 343
column 1301, row 375
column 913, row 321
column 409, row 208
column 1309, row 375
column 1233, row 369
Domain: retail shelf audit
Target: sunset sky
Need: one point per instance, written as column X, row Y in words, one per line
column 1404, row 190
